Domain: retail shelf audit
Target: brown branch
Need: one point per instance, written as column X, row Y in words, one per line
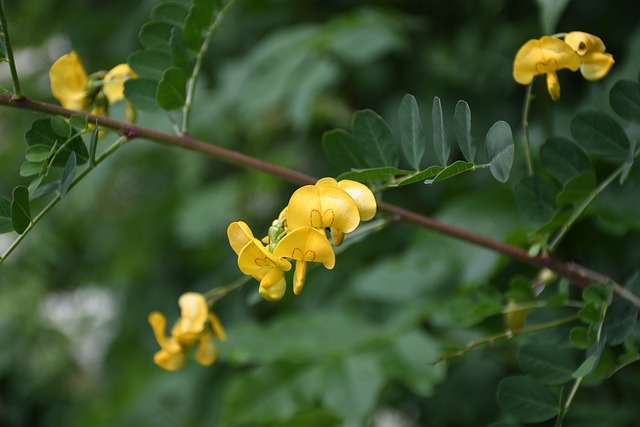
column 577, row 274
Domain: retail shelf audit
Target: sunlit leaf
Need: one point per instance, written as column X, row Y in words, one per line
column 440, row 142
column 30, row 168
column 38, row 152
column 462, row 119
column 412, row 137
column 374, row 139
column 527, row 399
column 420, row 176
column 500, row 150
column 172, row 89
column 20, row 210
column 600, row 134
column 625, row 100
column 374, row 174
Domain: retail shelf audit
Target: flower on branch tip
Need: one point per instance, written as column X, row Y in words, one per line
column 546, row 55
column 76, row 90
column 195, row 325
column 595, row 63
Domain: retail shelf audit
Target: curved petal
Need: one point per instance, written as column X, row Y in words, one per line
column 169, row 361
column 114, row 80
column 553, row 85
column 206, row 352
column 69, row 81
column 584, row 43
column 305, row 208
column 362, row 195
column 554, row 49
column 273, row 286
column 194, row 312
column 239, row 235
column 307, row 244
column 256, row 261
column 327, row 182
column 158, row 324
column 299, row 276
column 322, row 207
column 524, row 64
column 596, row 65
column 216, row 327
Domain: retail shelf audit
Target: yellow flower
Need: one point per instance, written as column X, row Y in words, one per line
column 305, row 244
column 255, row 260
column 323, row 207
column 594, row 62
column 544, row 56
column 191, row 328
column 76, row 90
column 360, row 193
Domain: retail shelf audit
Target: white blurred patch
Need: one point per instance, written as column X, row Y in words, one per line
column 87, row 316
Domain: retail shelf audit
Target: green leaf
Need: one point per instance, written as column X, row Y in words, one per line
column 172, row 89
column 462, row 118
column 452, row 170
column 45, row 190
column 6, row 225
column 564, row 159
column 179, row 55
column 527, row 399
column 60, row 126
column 420, row 176
column 42, row 133
column 141, row 92
column 340, row 147
column 628, row 163
column 68, row 174
column 149, row 63
column 633, row 283
column 351, row 387
column 590, row 314
column 38, row 152
column 550, row 12
column 536, row 197
column 548, row 364
column 197, row 20
column 374, row 139
column 439, row 135
column 593, row 355
column 625, row 100
column 598, row 133
column 582, row 338
column 412, row 138
column 155, row 34
column 78, row 122
column 93, row 143
column 577, row 189
column 500, row 150
column 620, row 321
column 597, row 294
column 374, row 174
column 30, row 168
column 20, row 211
column 171, row 12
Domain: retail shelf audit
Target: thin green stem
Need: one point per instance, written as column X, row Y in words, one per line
column 568, row 402
column 193, row 79
column 108, row 152
column 506, row 334
column 525, row 128
column 577, row 213
column 220, row 292
column 17, row 93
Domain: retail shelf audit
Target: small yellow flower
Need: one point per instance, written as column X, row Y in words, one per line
column 323, row 207
column 360, row 193
column 76, row 90
column 594, row 62
column 191, row 328
column 305, row 244
column 544, row 56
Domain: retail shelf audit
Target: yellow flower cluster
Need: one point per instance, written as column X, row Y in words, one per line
column 196, row 325
column 93, row 93
column 548, row 54
column 300, row 233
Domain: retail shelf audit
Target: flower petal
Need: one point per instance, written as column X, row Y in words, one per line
column 584, row 43
column 322, row 207
column 299, row 276
column 169, row 361
column 158, row 324
column 524, row 64
column 239, row 235
column 194, row 312
column 216, row 327
column 273, row 286
column 114, row 80
column 362, row 195
column 256, row 261
column 307, row 244
column 206, row 353
column 596, row 65
column 553, row 85
column 69, row 81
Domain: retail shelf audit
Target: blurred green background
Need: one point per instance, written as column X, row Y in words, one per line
column 356, row 347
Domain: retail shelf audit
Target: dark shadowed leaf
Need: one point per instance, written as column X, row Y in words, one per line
column 20, row 210
column 527, row 399
column 172, row 89
column 564, row 159
column 577, row 189
column 547, row 363
column 340, row 147
column 619, row 321
column 171, row 12
column 440, row 142
column 6, row 225
column 412, row 138
column 68, row 174
column 625, row 100
column 155, row 34
column 462, row 118
column 599, row 133
column 536, row 197
column 149, row 63
column 141, row 93
column 374, row 139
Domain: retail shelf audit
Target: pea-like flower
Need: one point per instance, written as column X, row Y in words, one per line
column 93, row 93
column 305, row 244
column 195, row 325
column 255, row 260
column 594, row 62
column 544, row 56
